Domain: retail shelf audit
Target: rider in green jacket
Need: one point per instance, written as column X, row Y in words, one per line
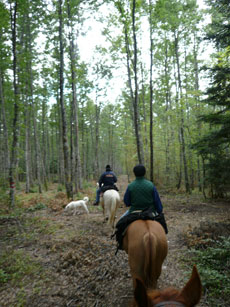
column 141, row 193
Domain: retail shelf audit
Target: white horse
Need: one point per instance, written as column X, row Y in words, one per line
column 110, row 202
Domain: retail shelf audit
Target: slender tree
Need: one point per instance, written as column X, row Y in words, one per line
column 14, row 146
column 68, row 183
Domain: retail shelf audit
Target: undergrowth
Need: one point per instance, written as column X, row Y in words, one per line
column 15, row 265
column 213, row 264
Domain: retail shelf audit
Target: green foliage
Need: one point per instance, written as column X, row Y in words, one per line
column 214, row 146
column 214, row 267
column 15, row 265
column 88, row 185
column 3, row 276
column 38, row 206
column 60, row 188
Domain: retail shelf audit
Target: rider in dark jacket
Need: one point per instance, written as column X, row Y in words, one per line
column 108, row 178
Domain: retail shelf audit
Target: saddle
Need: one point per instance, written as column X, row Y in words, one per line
column 124, row 222
column 109, row 187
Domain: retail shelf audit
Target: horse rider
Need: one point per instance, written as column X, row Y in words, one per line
column 108, row 178
column 141, row 193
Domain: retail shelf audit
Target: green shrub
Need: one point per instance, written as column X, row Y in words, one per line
column 38, row 206
column 4, row 277
column 214, row 267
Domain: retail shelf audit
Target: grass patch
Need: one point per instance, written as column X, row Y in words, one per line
column 38, row 225
column 38, row 206
column 15, row 265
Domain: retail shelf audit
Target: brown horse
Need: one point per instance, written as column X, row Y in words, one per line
column 146, row 245
column 187, row 297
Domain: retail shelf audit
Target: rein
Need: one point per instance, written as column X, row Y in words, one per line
column 169, row 303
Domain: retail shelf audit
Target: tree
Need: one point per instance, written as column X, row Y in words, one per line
column 76, row 167
column 214, row 146
column 130, row 41
column 13, row 157
column 68, row 183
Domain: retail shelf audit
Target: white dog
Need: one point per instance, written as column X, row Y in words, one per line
column 73, row 205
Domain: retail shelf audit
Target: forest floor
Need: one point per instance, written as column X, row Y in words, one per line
column 58, row 259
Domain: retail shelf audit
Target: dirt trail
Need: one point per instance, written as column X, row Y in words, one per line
column 79, row 266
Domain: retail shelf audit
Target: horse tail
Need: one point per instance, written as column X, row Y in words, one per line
column 149, row 241
column 113, row 208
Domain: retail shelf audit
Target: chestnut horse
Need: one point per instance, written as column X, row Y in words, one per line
column 146, row 245
column 187, row 297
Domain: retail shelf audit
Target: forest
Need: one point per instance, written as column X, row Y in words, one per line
column 86, row 83
column 58, row 124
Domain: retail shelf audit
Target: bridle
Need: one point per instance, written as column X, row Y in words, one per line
column 168, row 303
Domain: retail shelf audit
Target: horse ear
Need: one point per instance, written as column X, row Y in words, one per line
column 193, row 289
column 140, row 294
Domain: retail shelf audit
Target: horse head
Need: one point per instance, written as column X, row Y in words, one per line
column 187, row 297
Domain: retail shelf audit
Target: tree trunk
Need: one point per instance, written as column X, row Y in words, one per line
column 135, row 100
column 196, row 68
column 77, row 168
column 27, row 148
column 13, row 158
column 97, row 114
column 68, row 183
column 6, row 155
column 151, row 92
column 169, row 136
column 37, row 150
column 181, row 115
column 133, row 94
